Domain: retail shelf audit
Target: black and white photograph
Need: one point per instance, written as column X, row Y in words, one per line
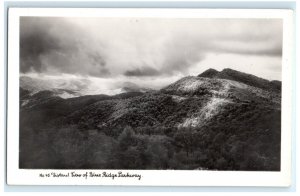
column 136, row 92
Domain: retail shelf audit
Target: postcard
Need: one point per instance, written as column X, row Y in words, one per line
column 152, row 97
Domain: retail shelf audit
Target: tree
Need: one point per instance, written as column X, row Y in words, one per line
column 126, row 138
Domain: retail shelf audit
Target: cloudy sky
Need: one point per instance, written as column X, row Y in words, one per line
column 151, row 52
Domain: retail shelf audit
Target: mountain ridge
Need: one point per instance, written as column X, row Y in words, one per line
column 195, row 122
column 238, row 76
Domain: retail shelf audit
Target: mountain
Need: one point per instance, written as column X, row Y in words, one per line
column 210, row 73
column 132, row 87
column 70, row 87
column 224, row 120
column 59, row 87
column 243, row 78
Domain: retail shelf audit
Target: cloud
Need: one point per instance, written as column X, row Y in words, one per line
column 144, row 71
column 56, row 46
column 143, row 47
column 35, row 40
column 247, row 49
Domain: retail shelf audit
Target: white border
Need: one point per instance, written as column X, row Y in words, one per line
column 16, row 176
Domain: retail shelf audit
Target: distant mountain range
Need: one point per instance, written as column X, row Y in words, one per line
column 227, row 120
column 74, row 87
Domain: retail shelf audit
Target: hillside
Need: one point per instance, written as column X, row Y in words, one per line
column 218, row 120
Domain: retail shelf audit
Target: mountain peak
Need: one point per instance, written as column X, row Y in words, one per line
column 242, row 77
column 229, row 70
column 232, row 72
column 210, row 73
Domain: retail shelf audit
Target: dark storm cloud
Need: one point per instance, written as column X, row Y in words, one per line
column 53, row 45
column 143, row 71
column 35, row 40
column 152, row 47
